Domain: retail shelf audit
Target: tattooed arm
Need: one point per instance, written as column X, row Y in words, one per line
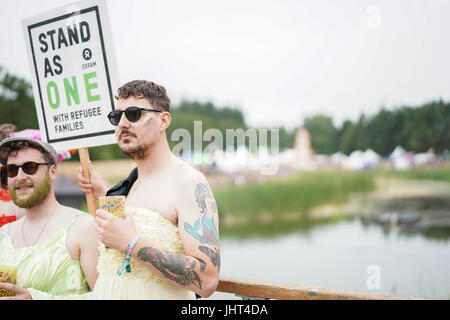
column 198, row 269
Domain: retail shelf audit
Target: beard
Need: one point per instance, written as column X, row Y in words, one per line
column 40, row 192
column 137, row 152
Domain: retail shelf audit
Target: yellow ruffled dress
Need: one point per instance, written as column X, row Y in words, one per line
column 141, row 283
column 47, row 270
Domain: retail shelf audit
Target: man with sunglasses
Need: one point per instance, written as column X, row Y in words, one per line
column 170, row 234
column 54, row 247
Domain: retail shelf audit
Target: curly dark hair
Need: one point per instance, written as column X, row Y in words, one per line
column 15, row 146
column 154, row 93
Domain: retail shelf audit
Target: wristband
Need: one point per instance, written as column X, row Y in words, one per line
column 132, row 244
column 126, row 262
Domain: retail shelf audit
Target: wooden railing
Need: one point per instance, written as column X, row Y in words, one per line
column 248, row 289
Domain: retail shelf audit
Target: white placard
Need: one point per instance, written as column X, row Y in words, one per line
column 74, row 74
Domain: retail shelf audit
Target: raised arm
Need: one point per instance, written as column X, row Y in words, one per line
column 95, row 184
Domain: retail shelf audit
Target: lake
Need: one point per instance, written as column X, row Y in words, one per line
column 337, row 255
column 335, row 251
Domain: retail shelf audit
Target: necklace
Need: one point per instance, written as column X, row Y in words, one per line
column 45, row 224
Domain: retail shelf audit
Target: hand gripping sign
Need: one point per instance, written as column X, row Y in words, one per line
column 74, row 75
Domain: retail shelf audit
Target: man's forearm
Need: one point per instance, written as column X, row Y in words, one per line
column 181, row 270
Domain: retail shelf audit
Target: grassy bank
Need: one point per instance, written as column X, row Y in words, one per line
column 297, row 194
column 440, row 174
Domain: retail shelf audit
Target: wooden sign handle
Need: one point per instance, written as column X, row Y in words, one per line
column 90, row 199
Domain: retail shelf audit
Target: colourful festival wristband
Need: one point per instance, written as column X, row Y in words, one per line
column 126, row 262
column 132, row 244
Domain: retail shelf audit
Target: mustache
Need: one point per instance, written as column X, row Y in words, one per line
column 20, row 184
column 125, row 131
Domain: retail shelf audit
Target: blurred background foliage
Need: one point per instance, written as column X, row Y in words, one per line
column 415, row 128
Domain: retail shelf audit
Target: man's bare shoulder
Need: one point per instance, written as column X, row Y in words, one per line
column 187, row 174
column 12, row 228
column 190, row 184
column 3, row 230
column 82, row 232
column 83, row 222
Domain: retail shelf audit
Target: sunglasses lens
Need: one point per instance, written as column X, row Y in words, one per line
column 11, row 170
column 114, row 117
column 133, row 114
column 30, row 167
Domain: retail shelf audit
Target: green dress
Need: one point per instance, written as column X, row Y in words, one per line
column 47, row 270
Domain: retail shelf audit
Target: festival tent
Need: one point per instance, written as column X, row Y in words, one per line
column 288, row 157
column 355, row 161
column 401, row 160
column 397, row 153
column 424, row 158
column 338, row 158
column 371, row 158
column 235, row 161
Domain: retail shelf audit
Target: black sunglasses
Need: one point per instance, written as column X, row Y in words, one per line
column 29, row 167
column 133, row 114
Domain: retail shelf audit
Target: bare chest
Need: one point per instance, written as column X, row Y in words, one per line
column 155, row 196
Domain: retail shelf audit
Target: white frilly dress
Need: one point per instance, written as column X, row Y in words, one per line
column 141, row 283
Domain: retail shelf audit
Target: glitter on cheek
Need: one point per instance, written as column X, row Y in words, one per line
column 148, row 118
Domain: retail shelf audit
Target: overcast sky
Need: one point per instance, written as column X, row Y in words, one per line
column 277, row 61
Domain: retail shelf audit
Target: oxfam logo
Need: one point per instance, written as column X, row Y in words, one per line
column 87, row 54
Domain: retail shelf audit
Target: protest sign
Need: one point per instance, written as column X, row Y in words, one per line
column 74, row 75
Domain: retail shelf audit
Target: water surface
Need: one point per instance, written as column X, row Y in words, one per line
column 338, row 255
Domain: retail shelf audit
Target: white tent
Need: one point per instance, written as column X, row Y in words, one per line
column 398, row 152
column 288, row 157
column 338, row 158
column 424, row 158
column 355, row 160
column 399, row 159
column 371, row 158
column 234, row 161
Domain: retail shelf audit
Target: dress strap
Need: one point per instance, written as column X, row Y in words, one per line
column 5, row 229
column 70, row 223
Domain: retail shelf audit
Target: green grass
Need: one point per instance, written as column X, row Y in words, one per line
column 440, row 174
column 298, row 194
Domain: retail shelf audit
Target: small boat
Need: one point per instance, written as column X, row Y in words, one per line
column 397, row 218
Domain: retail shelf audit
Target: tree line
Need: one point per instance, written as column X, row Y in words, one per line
column 414, row 128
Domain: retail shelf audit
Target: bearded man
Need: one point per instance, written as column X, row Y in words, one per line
column 169, row 241
column 53, row 247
